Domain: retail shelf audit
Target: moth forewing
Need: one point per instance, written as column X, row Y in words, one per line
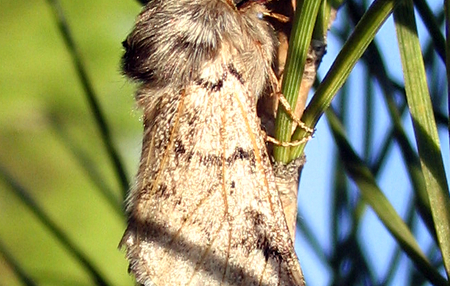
column 205, row 209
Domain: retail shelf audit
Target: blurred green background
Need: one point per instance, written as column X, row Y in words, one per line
column 51, row 146
column 46, row 127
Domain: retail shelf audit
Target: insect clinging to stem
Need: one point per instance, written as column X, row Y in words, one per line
column 204, row 209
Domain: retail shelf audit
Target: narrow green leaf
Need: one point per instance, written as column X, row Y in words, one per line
column 425, row 129
column 15, row 266
column 352, row 51
column 57, row 232
column 377, row 69
column 91, row 96
column 394, row 263
column 374, row 197
column 369, row 113
column 310, row 237
column 88, row 165
column 322, row 21
column 432, row 26
column 447, row 51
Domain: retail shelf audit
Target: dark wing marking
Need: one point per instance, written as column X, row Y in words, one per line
column 205, row 209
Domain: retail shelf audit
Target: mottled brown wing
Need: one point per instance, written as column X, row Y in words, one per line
column 205, row 209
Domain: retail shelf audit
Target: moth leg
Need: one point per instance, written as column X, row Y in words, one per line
column 280, row 17
column 291, row 113
column 286, row 144
column 283, row 101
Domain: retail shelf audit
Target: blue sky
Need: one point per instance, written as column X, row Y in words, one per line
column 314, row 193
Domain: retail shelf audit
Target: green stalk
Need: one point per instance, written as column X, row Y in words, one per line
column 352, row 51
column 300, row 39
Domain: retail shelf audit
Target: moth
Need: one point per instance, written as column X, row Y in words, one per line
column 204, row 209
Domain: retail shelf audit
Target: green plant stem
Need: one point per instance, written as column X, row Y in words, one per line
column 352, row 51
column 300, row 39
